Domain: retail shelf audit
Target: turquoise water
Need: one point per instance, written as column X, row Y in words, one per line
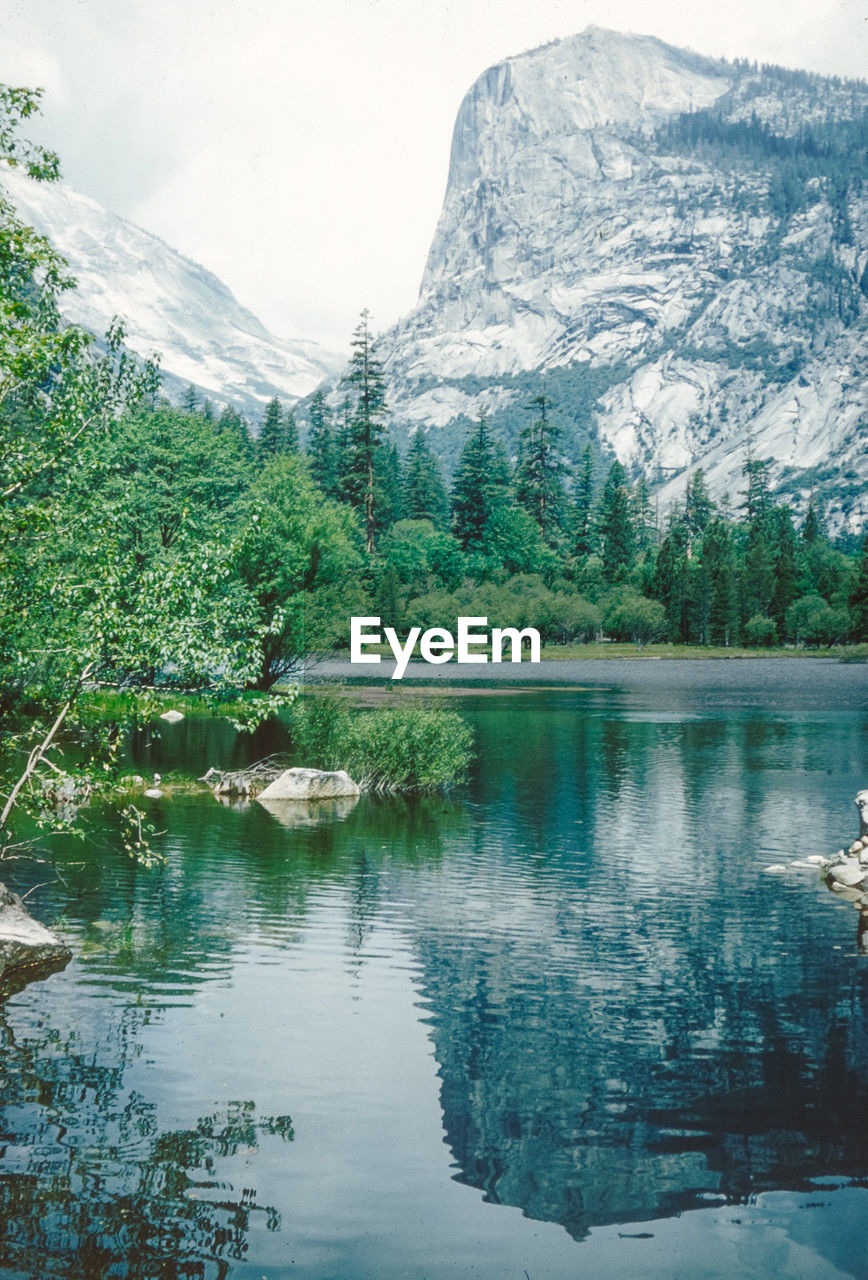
column 558, row 1024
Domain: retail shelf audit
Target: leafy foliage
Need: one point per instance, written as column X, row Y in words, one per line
column 412, row 746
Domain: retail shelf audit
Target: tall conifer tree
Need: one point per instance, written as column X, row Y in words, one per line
column 278, row 433
column 480, row 486
column 540, row 471
column 322, row 446
column 615, row 523
column 365, row 426
column 424, row 491
column 583, row 506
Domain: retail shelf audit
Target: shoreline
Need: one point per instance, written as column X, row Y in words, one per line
column 771, row 671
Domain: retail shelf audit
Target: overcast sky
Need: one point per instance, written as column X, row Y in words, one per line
column 299, row 148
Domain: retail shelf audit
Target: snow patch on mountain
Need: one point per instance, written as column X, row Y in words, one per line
column 169, row 304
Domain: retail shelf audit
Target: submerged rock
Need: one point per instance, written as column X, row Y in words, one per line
column 25, row 944
column 310, row 784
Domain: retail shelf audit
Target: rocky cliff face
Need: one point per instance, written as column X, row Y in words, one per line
column 676, row 247
column 169, row 304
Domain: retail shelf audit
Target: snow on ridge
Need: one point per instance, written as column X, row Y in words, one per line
column 169, row 304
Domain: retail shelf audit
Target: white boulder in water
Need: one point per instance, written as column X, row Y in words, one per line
column 24, row 942
column 310, row 784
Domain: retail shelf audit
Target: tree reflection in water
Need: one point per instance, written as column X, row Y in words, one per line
column 92, row 1187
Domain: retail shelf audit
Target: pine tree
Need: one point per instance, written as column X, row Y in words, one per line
column 669, row 583
column 614, row 523
column 718, row 557
column 290, row 430
column 697, row 505
column 784, row 551
column 644, row 521
column 190, row 401
column 279, row 433
column 756, row 496
column 424, row 491
column 322, row 447
column 480, row 485
column 365, row 426
column 540, row 471
column 388, row 487
column 812, row 529
column 583, row 506
column 232, row 423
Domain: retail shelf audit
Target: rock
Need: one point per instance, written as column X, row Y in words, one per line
column 816, row 860
column 25, row 944
column 310, row 784
column 855, row 847
column 172, row 717
column 154, row 793
column 862, row 806
column 848, row 874
column 775, row 869
column 804, row 864
column 310, row 813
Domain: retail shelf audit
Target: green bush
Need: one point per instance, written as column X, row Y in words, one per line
column 629, row 616
column 411, row 746
column 812, row 621
column 760, row 632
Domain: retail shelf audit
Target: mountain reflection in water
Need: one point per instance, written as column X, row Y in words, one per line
column 628, row 1019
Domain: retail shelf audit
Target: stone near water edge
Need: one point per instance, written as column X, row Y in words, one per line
column 310, row 784
column 776, row 869
column 816, row 860
column 172, row 716
column 24, row 942
column 862, row 806
column 848, row 874
column 154, row 793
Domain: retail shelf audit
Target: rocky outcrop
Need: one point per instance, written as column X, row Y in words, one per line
column 581, row 229
column 27, row 948
column 862, row 806
column 310, row 784
column 847, row 872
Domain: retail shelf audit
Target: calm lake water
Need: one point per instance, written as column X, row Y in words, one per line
column 558, row 1024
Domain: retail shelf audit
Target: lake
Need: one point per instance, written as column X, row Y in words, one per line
column 558, row 1023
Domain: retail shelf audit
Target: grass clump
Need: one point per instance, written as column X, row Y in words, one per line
column 410, row 746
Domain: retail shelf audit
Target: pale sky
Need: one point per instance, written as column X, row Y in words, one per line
column 299, row 148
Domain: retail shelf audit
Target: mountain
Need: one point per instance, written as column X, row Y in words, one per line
column 168, row 303
column 674, row 248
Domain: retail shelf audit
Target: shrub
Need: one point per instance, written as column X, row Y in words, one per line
column 812, row 621
column 412, row 746
column 760, row 632
column 630, row 616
